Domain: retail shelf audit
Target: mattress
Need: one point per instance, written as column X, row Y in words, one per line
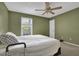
column 36, row 45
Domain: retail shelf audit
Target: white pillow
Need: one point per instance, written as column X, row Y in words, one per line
column 10, row 33
column 8, row 39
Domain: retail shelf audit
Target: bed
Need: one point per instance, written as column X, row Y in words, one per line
column 36, row 45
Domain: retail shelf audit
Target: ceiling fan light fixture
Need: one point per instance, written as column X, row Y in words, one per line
column 48, row 8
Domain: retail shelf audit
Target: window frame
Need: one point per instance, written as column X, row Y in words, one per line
column 31, row 26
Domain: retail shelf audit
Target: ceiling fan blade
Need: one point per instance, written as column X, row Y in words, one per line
column 52, row 12
column 44, row 12
column 47, row 4
column 56, row 8
column 39, row 10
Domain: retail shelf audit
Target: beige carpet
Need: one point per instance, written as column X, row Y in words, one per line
column 66, row 50
column 69, row 50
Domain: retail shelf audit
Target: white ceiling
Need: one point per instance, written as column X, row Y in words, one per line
column 29, row 7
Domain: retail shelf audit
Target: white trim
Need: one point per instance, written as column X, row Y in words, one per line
column 52, row 28
column 71, row 43
column 32, row 27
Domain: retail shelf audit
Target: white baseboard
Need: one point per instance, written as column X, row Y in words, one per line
column 71, row 43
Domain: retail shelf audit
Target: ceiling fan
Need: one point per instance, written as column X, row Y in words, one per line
column 48, row 8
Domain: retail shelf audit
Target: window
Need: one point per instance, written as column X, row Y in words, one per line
column 26, row 26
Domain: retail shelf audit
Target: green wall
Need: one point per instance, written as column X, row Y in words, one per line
column 3, row 18
column 40, row 24
column 67, row 26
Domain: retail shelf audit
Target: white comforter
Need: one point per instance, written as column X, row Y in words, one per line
column 36, row 45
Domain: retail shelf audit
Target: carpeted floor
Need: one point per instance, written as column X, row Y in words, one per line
column 69, row 50
column 66, row 50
